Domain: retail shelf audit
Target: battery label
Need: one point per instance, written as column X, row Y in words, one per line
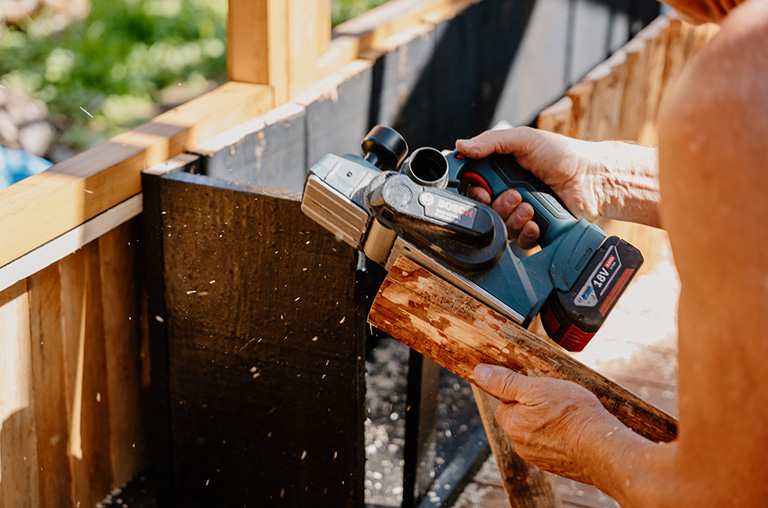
column 600, row 280
column 447, row 210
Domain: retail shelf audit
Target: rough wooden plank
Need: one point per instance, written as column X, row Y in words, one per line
column 525, row 484
column 457, row 87
column 580, row 95
column 260, row 309
column 459, row 332
column 339, row 111
column 557, row 117
column 159, row 437
column 655, row 35
column 18, row 441
column 268, row 151
column 50, row 384
column 608, row 81
column 404, row 85
column 122, row 349
column 87, row 387
column 89, row 183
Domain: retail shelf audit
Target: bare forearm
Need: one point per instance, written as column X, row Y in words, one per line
column 636, row 472
column 627, row 183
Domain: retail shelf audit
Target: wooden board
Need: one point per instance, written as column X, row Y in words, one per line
column 89, row 183
column 18, row 441
column 340, row 110
column 525, row 485
column 264, row 362
column 458, row 332
column 268, row 151
column 120, row 314
column 87, row 388
column 52, row 410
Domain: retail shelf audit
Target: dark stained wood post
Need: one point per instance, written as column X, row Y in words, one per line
column 265, row 365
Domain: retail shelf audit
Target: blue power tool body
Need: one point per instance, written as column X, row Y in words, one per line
column 389, row 207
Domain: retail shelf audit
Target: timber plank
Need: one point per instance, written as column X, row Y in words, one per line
column 265, row 365
column 50, row 383
column 268, row 151
column 89, row 443
column 405, row 84
column 122, row 337
column 340, row 110
column 18, row 441
column 89, row 183
column 459, row 332
column 525, row 485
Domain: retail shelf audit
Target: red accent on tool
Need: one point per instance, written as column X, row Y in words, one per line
column 475, row 179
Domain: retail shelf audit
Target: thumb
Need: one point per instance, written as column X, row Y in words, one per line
column 501, row 382
column 511, row 141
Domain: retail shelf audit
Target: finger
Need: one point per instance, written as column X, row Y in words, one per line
column 479, row 194
column 502, row 383
column 517, row 220
column 529, row 236
column 495, row 141
column 506, row 203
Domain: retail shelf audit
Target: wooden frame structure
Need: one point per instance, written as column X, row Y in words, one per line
column 75, row 320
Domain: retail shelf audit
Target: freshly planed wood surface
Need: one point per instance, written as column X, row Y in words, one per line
column 89, row 446
column 19, row 470
column 89, row 183
column 52, row 406
column 120, row 316
column 458, row 332
column 525, row 485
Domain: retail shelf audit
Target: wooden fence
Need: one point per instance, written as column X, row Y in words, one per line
column 74, row 320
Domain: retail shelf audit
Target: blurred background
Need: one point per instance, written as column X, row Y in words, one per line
column 74, row 73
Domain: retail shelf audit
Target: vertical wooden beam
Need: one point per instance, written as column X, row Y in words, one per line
column 123, row 349
column 277, row 43
column 50, row 382
column 86, row 376
column 18, row 447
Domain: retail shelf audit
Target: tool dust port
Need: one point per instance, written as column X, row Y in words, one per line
column 428, row 167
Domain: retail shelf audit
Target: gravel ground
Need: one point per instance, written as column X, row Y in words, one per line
column 457, row 419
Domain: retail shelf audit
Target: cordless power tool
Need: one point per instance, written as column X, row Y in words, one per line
column 389, row 205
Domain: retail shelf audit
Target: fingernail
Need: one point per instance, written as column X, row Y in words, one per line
column 483, row 373
column 467, row 142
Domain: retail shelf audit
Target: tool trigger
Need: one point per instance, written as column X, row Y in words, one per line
column 471, row 178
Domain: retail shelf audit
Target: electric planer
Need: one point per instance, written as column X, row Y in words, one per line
column 388, row 203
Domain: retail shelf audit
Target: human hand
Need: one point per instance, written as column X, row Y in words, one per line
column 558, row 425
column 568, row 166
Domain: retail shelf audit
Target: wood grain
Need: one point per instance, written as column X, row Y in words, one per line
column 87, row 388
column 265, row 357
column 525, row 485
column 458, row 332
column 50, row 380
column 18, row 440
column 83, row 186
column 122, row 347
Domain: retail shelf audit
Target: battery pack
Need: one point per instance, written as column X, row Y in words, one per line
column 571, row 318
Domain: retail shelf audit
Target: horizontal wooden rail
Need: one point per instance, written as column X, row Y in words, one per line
column 45, row 206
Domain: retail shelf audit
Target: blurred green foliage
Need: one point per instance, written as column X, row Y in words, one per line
column 113, row 63
column 342, row 10
column 102, row 75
